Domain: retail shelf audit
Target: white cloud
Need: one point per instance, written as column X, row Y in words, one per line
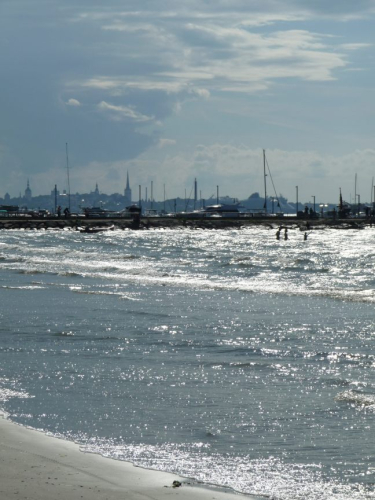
column 123, row 84
column 354, row 46
column 205, row 56
column 166, row 142
column 119, row 113
column 201, row 92
column 73, row 102
column 253, row 12
column 100, row 83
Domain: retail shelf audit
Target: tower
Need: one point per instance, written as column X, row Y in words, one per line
column 28, row 193
column 127, row 192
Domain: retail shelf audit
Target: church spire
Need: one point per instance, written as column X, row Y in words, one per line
column 28, row 193
column 127, row 191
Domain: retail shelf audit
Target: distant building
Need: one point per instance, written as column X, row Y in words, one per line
column 127, row 192
column 7, row 198
column 28, row 193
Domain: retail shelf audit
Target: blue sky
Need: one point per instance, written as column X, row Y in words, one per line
column 172, row 92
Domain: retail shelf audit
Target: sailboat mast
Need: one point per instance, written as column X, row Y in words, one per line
column 67, row 171
column 265, row 183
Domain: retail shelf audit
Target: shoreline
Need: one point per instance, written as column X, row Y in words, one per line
column 36, row 466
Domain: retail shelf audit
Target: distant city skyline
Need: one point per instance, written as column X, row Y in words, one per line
column 170, row 92
column 194, row 194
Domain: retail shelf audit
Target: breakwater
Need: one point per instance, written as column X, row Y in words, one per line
column 79, row 224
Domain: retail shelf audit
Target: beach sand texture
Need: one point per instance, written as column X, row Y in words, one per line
column 34, row 466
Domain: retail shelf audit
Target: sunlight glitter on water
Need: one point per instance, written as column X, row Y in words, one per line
column 224, row 356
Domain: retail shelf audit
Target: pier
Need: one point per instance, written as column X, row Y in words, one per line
column 147, row 223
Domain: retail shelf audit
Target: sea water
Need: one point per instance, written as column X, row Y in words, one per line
column 225, row 356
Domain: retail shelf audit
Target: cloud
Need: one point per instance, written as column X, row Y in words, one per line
column 119, row 113
column 123, row 84
column 189, row 71
column 73, row 102
column 201, row 93
column 200, row 49
column 166, row 142
column 253, row 11
column 354, row 46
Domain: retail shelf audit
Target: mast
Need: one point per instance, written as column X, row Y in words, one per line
column 265, row 183
column 67, row 171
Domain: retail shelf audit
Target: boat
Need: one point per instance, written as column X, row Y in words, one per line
column 234, row 210
column 93, row 230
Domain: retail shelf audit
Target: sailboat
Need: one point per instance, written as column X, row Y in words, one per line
column 275, row 198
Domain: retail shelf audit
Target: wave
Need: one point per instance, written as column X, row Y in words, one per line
column 257, row 284
column 34, row 271
column 357, row 398
column 6, row 394
column 266, row 478
column 291, row 273
column 11, row 258
column 129, row 297
column 121, row 295
column 128, row 257
column 335, row 382
column 26, row 287
column 71, row 274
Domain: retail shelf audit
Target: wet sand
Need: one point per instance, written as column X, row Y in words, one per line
column 34, row 466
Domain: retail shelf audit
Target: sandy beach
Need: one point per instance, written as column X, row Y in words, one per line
column 38, row 467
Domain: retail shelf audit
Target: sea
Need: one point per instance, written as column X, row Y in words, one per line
column 226, row 356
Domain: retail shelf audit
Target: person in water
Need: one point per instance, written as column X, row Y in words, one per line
column 286, row 234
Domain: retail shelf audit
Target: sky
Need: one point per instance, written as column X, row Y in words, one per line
column 172, row 91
